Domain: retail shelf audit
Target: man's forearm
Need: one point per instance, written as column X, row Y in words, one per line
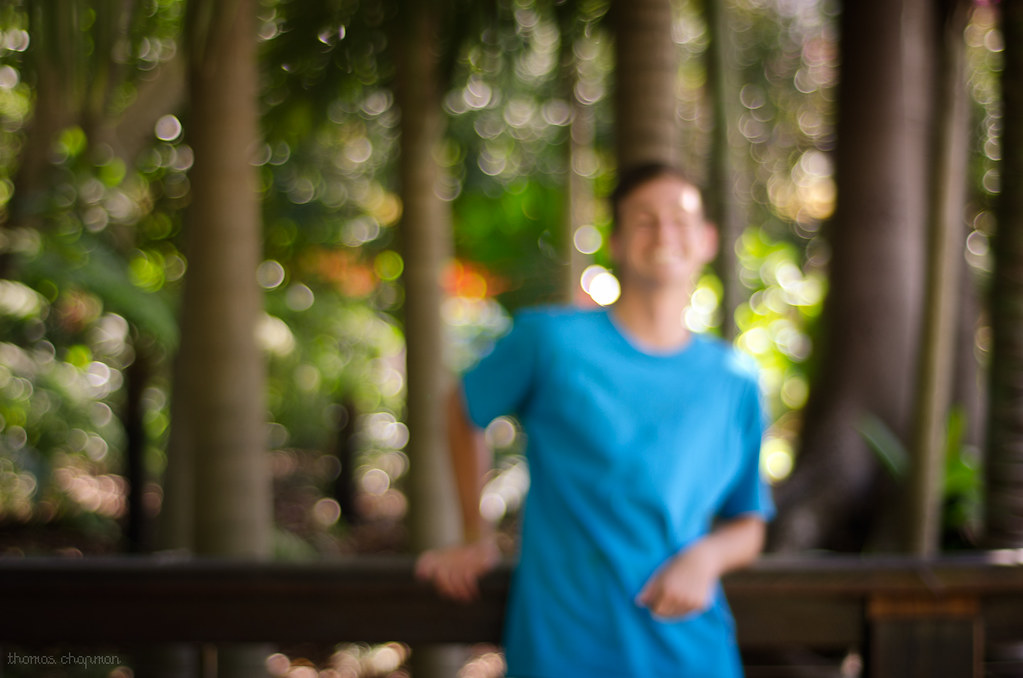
column 471, row 460
column 734, row 543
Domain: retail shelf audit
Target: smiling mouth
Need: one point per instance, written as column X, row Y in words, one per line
column 666, row 256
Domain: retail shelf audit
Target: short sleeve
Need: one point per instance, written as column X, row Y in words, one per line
column 500, row 383
column 749, row 492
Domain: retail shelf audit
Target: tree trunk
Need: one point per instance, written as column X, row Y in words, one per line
column 222, row 303
column 426, row 237
column 175, row 524
column 1004, row 470
column 579, row 197
column 218, row 403
column 646, row 70
column 871, row 325
column 175, row 529
column 162, row 93
column 944, row 273
column 345, row 448
column 726, row 208
column 136, row 378
column 427, row 244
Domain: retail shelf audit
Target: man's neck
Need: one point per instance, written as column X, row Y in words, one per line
column 654, row 318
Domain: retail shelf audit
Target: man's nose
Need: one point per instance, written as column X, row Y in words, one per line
column 665, row 231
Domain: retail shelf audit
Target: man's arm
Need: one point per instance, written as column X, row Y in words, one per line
column 455, row 570
column 687, row 581
column 471, row 459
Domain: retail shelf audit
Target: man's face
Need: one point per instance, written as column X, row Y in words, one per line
column 662, row 238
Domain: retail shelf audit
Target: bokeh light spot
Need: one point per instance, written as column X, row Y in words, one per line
column 168, row 128
column 270, row 274
column 777, row 459
column 602, row 286
column 587, row 239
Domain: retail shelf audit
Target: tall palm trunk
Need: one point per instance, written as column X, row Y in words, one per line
column 579, row 196
column 218, row 455
column 871, row 325
column 222, row 303
column 726, row 208
column 1004, row 472
column 646, row 70
column 944, row 272
column 426, row 238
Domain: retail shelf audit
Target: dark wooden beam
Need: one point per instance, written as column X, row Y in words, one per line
column 820, row 603
column 147, row 600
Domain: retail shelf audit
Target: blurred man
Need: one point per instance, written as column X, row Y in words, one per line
column 643, row 448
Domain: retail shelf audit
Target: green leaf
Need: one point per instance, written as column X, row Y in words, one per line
column 105, row 274
column 885, row 444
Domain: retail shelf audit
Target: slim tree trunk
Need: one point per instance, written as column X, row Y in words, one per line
column 1004, row 471
column 426, row 237
column 345, row 449
column 222, row 303
column 219, row 401
column 871, row 326
column 725, row 208
column 646, row 70
column 175, row 524
column 944, row 273
column 579, row 197
column 136, row 528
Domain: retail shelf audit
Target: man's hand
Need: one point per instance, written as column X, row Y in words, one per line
column 686, row 583
column 683, row 585
column 456, row 570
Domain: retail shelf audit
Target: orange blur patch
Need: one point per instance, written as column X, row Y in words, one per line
column 352, row 277
column 471, row 281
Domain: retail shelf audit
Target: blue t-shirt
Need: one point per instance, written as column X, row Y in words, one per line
column 632, row 456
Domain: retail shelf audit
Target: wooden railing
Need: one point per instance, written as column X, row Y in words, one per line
column 905, row 617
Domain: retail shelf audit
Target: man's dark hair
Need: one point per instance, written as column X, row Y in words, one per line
column 635, row 176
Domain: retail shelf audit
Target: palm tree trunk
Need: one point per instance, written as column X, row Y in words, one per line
column 579, row 197
column 872, row 315
column 944, row 272
column 725, row 208
column 220, row 400
column 426, row 237
column 646, row 70
column 137, row 375
column 1004, row 471
column 222, row 303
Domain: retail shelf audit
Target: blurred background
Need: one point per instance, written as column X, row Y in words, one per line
column 244, row 246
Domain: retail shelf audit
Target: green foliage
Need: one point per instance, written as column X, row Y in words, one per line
column 79, row 313
column 776, row 324
column 963, row 485
column 962, row 477
column 126, row 288
column 513, row 236
column 99, row 281
column 323, row 53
